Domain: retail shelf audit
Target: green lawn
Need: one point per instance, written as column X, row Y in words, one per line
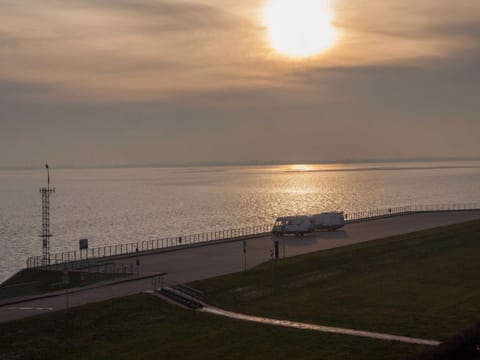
column 145, row 327
column 32, row 282
column 425, row 284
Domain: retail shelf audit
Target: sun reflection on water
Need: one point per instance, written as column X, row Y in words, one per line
column 301, row 168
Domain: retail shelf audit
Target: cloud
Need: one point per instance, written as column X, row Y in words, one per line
column 124, row 49
column 160, row 49
column 170, row 15
column 14, row 91
column 386, row 32
column 423, row 90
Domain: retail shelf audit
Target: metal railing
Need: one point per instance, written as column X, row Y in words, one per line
column 95, row 265
column 180, row 293
column 147, row 245
column 251, row 231
column 161, row 282
column 409, row 209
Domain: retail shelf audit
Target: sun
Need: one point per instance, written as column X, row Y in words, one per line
column 299, row 28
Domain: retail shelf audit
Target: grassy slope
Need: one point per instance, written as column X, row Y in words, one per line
column 425, row 284
column 32, row 282
column 144, row 327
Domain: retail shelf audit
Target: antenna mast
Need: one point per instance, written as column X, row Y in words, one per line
column 46, row 191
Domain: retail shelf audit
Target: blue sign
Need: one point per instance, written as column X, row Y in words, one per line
column 83, row 243
column 65, row 278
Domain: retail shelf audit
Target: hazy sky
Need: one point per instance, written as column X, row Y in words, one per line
column 92, row 82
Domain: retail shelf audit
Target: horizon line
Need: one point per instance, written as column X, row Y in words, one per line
column 242, row 163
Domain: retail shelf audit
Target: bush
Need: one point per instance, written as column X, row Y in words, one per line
column 463, row 346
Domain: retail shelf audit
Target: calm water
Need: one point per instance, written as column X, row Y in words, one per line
column 110, row 206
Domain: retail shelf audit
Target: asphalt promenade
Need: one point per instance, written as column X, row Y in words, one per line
column 218, row 259
column 210, row 260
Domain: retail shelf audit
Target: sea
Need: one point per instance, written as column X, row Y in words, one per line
column 121, row 205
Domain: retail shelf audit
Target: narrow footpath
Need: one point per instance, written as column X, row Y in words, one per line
column 321, row 328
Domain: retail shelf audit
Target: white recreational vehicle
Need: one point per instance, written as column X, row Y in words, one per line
column 329, row 220
column 297, row 225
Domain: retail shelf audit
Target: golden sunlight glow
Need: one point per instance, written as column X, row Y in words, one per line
column 301, row 168
column 299, row 28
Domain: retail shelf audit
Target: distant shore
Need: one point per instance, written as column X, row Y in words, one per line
column 245, row 163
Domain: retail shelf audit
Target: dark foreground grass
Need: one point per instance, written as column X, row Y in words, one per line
column 144, row 327
column 425, row 284
column 32, row 282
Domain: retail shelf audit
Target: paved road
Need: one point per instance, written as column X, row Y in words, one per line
column 213, row 260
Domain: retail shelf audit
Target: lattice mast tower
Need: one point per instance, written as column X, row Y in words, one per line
column 46, row 191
